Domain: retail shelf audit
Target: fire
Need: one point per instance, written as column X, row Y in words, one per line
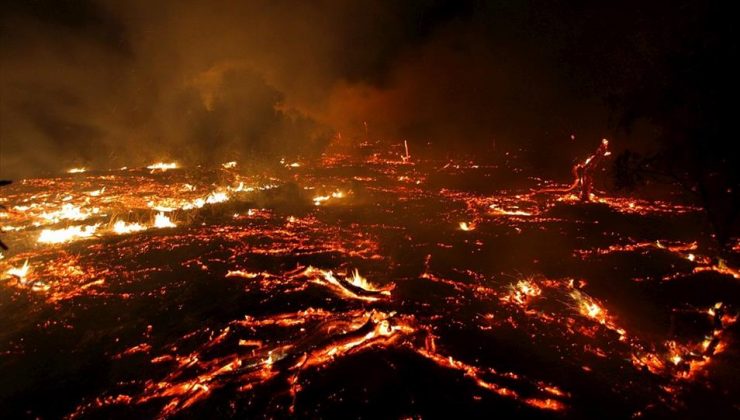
column 69, row 212
column 162, row 166
column 465, row 226
column 317, row 200
column 588, row 307
column 21, row 273
column 76, row 170
column 121, row 227
column 582, row 172
column 721, row 267
column 354, row 287
column 58, row 236
column 358, row 281
column 217, row 197
column 522, row 292
column 336, row 311
column 161, row 220
column 495, row 209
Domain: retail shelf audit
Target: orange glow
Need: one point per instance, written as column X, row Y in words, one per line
column 58, row 236
column 121, row 227
column 162, row 166
column 467, row 227
column 161, row 220
column 21, row 273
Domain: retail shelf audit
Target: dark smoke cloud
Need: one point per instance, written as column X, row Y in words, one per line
column 113, row 83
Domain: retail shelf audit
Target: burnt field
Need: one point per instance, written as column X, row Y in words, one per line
column 358, row 287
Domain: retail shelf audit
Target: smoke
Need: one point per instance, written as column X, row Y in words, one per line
column 112, row 83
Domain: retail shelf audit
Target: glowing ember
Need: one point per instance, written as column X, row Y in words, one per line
column 423, row 293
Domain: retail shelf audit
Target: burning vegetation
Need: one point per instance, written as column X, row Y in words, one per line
column 207, row 289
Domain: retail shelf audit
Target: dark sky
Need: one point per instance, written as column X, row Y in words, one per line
column 113, row 83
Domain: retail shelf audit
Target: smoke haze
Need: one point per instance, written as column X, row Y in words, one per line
column 113, row 83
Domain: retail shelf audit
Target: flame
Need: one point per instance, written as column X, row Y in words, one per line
column 162, row 166
column 539, row 300
column 722, row 268
column 465, row 226
column 20, row 272
column 76, row 170
column 121, row 227
column 69, row 212
column 317, row 200
column 361, row 282
column 522, row 292
column 503, row 212
column 339, row 287
column 217, row 197
column 161, row 220
column 58, row 236
column 588, row 307
column 229, row 165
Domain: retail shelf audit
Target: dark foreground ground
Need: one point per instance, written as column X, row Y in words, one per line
column 537, row 306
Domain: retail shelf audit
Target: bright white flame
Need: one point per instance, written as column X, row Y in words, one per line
column 51, row 236
column 20, row 272
column 229, row 165
column 361, row 282
column 162, row 166
column 504, row 212
column 465, row 226
column 69, row 212
column 76, row 170
column 321, row 198
column 217, row 197
column 161, row 220
column 121, row 227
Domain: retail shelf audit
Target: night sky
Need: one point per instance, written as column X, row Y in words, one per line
column 114, row 83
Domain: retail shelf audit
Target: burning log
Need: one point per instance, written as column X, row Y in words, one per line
column 583, row 173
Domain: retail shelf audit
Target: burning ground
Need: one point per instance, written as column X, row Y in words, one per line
column 377, row 286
